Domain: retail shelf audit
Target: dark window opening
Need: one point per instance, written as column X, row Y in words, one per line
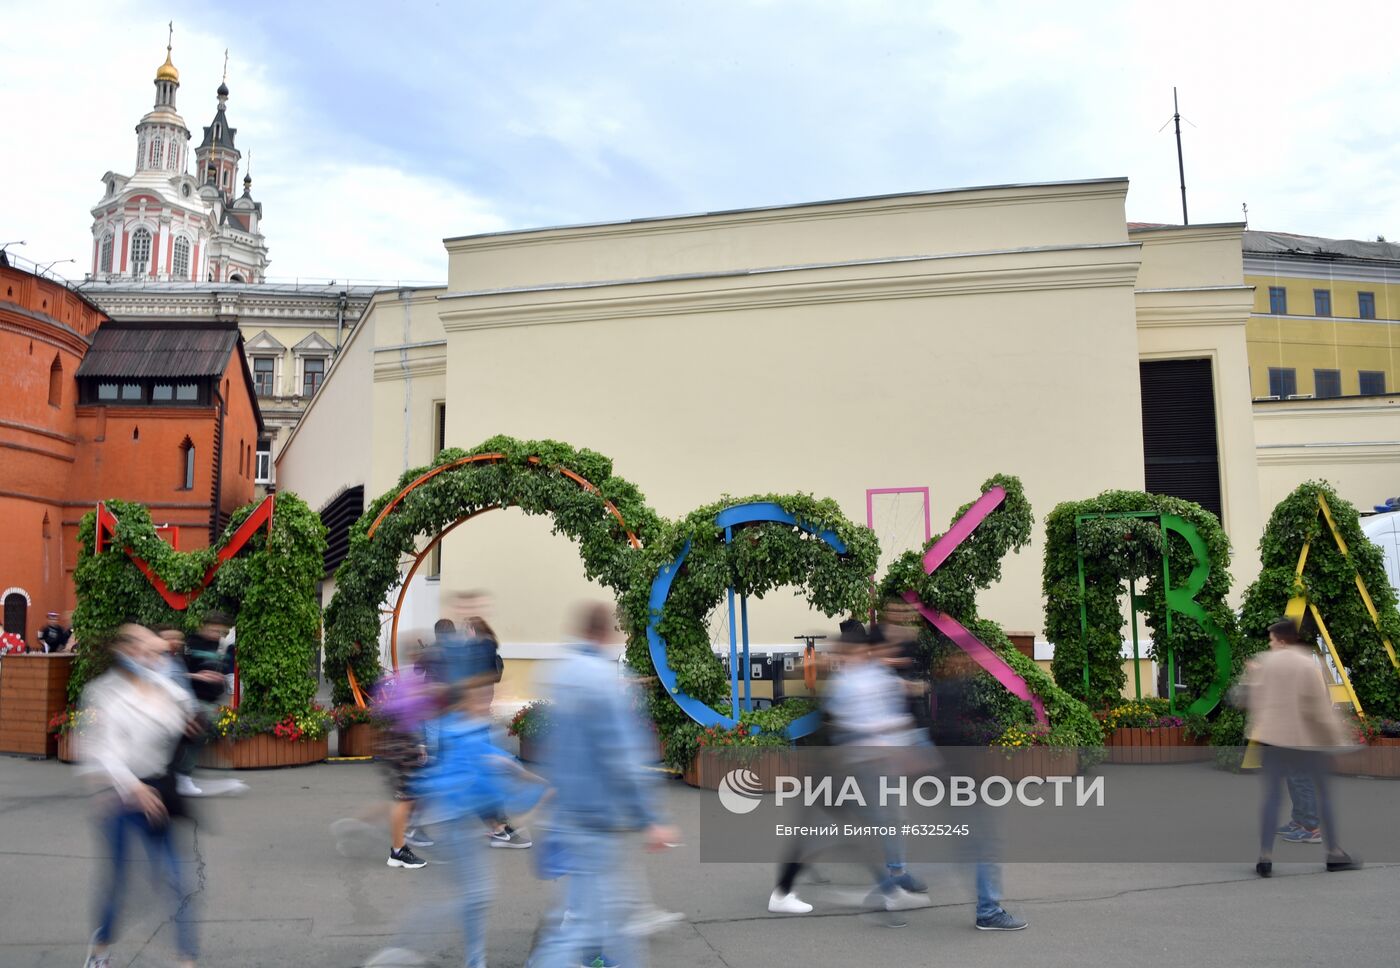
column 1327, row 383
column 1283, row 382
column 16, row 614
column 312, row 373
column 56, row 382
column 1366, row 305
column 264, row 367
column 187, row 460
column 1180, row 451
column 1322, row 302
column 1278, row 300
column 1372, row 382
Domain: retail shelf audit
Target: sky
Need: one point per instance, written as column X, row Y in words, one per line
column 375, row 131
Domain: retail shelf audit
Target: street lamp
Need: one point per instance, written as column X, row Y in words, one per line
column 56, row 262
column 6, row 245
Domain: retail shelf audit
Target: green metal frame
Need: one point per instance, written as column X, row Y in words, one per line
column 1182, row 600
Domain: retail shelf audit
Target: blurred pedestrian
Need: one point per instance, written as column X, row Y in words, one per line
column 138, row 715
column 596, row 755
column 1292, row 718
column 54, row 636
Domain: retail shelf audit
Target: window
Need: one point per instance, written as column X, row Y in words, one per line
column 56, row 382
column 313, row 372
column 1322, row 302
column 187, row 464
column 162, row 393
column 264, row 368
column 1283, row 381
column 1327, row 383
column 106, row 391
column 1278, row 300
column 104, row 254
column 1181, row 455
column 180, row 262
column 155, row 152
column 131, row 393
column 1366, row 305
column 187, row 391
column 174, row 159
column 140, row 250
column 1372, row 382
column 263, row 471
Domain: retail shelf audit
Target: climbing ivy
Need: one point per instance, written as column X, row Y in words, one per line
column 762, row 557
column 1329, row 580
column 1116, row 549
column 269, row 589
column 529, row 476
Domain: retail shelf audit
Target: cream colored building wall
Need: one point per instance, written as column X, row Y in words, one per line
column 960, row 220
column 410, row 374
column 1353, row 444
column 1192, row 303
column 319, row 459
column 940, row 366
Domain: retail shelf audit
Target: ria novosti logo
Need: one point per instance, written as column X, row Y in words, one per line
column 740, row 791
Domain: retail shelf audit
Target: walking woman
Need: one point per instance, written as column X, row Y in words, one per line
column 137, row 717
column 1292, row 718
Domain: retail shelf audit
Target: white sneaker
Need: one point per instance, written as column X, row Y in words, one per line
column 185, row 786
column 652, row 920
column 223, row 788
column 788, row 903
column 898, row 899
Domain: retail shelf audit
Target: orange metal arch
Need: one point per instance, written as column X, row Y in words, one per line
column 420, row 556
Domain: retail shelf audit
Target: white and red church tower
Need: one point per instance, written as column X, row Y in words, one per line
column 162, row 223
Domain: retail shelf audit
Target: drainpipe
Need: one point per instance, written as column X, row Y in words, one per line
column 340, row 319
column 218, row 470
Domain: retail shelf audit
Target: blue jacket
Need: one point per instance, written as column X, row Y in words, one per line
column 468, row 773
column 596, row 750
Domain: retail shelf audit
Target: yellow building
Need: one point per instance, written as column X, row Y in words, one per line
column 1326, row 319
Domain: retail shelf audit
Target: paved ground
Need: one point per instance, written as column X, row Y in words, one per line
column 273, row 891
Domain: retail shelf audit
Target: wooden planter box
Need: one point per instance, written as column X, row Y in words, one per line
column 705, row 771
column 1038, row 761
column 262, row 752
column 33, row 690
column 358, row 739
column 1165, row 744
column 66, row 744
column 1381, row 758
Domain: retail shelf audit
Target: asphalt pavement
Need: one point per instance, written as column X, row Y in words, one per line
column 271, row 888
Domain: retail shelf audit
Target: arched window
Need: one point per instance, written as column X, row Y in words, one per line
column 235, row 278
column 180, row 264
column 104, row 254
column 56, row 382
column 155, row 152
column 173, row 161
column 187, row 464
column 140, row 250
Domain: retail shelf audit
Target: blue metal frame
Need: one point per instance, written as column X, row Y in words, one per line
column 756, row 512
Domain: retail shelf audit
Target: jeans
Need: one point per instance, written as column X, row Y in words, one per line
column 115, row 827
column 1304, row 796
column 988, row 889
column 471, row 855
column 1280, row 763
column 598, row 899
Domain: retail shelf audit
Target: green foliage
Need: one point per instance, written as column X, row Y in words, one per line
column 531, row 720
column 539, row 486
column 1329, row 580
column 269, row 588
column 952, row 588
column 1116, row 549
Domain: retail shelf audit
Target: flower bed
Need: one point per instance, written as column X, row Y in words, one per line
column 1379, row 757
column 1039, row 761
column 357, row 740
column 254, row 742
column 707, row 769
column 1159, row 744
column 66, row 747
column 528, row 725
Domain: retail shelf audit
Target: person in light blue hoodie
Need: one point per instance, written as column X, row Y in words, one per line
column 596, row 756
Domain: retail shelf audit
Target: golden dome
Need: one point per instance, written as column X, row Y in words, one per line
column 167, row 71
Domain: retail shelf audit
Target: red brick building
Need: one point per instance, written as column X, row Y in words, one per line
column 94, row 409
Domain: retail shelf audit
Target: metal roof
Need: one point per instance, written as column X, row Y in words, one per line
column 163, row 351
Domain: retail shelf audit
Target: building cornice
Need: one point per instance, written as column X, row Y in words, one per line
column 1350, row 452
column 1287, row 266
column 1206, row 306
column 1094, row 267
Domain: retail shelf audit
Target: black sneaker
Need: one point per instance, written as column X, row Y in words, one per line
column 405, row 857
column 1001, row 921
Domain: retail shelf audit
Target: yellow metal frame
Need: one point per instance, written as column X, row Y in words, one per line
column 1298, row 605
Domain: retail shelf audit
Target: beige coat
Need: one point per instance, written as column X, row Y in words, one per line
column 1289, row 703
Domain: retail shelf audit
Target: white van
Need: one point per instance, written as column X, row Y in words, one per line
column 1384, row 530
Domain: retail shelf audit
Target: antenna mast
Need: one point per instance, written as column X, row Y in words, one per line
column 1180, row 163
